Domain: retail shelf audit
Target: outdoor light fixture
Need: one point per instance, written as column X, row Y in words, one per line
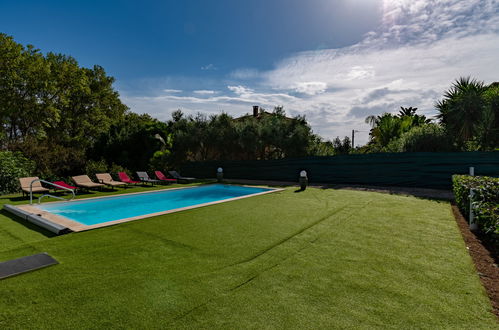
column 220, row 174
column 303, row 180
column 473, row 225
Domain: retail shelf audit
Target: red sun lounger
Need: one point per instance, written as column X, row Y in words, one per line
column 163, row 177
column 63, row 184
column 125, row 178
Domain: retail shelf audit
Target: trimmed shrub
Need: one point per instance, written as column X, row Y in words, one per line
column 485, row 204
column 425, row 138
column 13, row 165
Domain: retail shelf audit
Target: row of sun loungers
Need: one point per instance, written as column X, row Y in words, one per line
column 104, row 179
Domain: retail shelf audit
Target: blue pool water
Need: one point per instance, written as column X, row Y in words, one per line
column 100, row 210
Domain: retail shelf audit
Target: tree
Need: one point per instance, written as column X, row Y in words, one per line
column 342, row 147
column 51, row 109
column 424, row 138
column 25, row 109
column 489, row 127
column 462, row 108
column 271, row 135
column 133, row 143
column 407, row 111
column 319, row 147
column 385, row 128
column 388, row 127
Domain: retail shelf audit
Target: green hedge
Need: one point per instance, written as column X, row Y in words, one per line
column 13, row 165
column 485, row 203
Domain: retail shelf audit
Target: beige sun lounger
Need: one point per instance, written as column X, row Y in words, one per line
column 106, row 179
column 36, row 188
column 85, row 182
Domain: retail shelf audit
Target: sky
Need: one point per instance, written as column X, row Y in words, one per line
column 333, row 61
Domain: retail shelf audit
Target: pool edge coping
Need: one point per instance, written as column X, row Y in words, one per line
column 75, row 226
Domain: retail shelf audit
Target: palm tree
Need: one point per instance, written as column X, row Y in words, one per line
column 372, row 120
column 407, row 111
column 388, row 127
column 462, row 108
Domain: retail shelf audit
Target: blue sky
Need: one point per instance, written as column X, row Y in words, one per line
column 335, row 62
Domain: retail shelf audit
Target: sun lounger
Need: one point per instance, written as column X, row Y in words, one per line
column 144, row 177
column 126, row 179
column 106, row 179
column 84, row 181
column 175, row 175
column 63, row 184
column 163, row 177
column 36, row 187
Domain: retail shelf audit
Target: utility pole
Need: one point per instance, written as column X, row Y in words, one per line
column 353, row 138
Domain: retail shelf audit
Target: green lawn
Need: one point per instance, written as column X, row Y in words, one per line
column 314, row 259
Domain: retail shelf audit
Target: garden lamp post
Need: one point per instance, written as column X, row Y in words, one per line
column 303, row 180
column 220, row 174
column 473, row 225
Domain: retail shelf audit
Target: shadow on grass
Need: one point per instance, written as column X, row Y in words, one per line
column 27, row 224
column 421, row 193
column 18, row 199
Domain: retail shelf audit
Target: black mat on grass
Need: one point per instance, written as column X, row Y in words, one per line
column 25, row 264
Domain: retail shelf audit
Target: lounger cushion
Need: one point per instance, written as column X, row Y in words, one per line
column 107, row 179
column 84, row 181
column 36, row 187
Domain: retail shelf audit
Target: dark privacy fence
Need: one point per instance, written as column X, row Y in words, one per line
column 421, row 169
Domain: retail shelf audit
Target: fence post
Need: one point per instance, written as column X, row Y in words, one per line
column 472, row 171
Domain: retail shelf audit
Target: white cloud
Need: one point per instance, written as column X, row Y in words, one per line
column 209, row 67
column 244, row 74
column 172, row 90
column 237, row 103
column 420, row 48
column 204, row 92
column 311, row 87
column 241, row 90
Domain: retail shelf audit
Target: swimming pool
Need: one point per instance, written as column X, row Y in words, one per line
column 96, row 212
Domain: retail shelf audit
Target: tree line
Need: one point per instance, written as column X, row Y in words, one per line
column 467, row 120
column 66, row 119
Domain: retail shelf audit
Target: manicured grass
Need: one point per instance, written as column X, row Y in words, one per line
column 314, row 259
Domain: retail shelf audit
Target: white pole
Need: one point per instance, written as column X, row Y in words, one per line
column 473, row 225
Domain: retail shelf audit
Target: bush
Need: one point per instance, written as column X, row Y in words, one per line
column 425, row 138
column 114, row 169
column 485, row 203
column 13, row 165
column 94, row 167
